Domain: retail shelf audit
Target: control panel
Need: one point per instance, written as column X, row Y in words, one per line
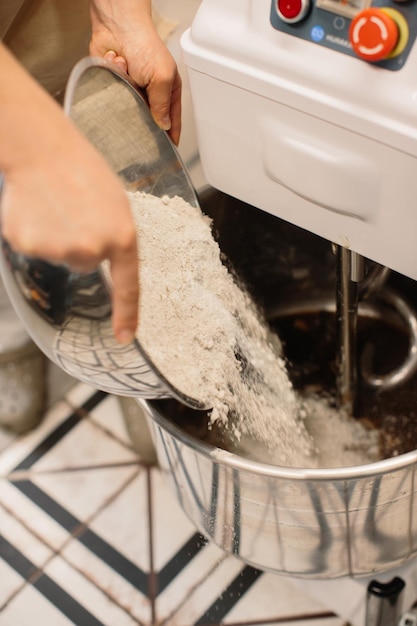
column 378, row 31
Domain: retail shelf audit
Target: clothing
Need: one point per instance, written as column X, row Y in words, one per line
column 47, row 36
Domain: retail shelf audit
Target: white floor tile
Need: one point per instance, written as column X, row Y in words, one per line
column 21, row 446
column 124, row 589
column 124, row 526
column 190, row 592
column 83, row 493
column 227, row 587
column 11, row 582
column 37, row 520
column 77, row 395
column 30, row 608
column 85, row 446
column 17, row 541
column 200, row 591
column 319, row 621
column 20, row 536
column 274, row 596
column 63, row 597
column 87, row 594
column 125, row 521
column 108, row 415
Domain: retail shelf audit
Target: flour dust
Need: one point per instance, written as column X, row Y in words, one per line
column 203, row 332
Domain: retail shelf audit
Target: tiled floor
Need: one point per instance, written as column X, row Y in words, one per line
column 89, row 535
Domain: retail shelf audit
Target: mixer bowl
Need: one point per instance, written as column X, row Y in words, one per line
column 306, row 523
column 309, row 523
column 69, row 314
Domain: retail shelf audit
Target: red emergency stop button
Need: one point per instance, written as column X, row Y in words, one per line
column 373, row 34
column 291, row 11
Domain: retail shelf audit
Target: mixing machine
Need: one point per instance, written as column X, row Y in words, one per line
column 307, row 109
column 326, row 141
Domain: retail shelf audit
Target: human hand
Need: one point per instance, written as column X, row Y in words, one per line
column 61, row 201
column 123, row 32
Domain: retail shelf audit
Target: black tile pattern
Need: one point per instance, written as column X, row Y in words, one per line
column 72, row 609
column 149, row 584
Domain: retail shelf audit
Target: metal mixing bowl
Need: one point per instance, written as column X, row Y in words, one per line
column 309, row 523
column 354, row 521
column 69, row 314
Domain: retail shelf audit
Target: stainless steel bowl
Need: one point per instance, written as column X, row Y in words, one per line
column 309, row 523
column 68, row 314
column 306, row 523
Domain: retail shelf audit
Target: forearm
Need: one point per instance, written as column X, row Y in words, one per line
column 119, row 18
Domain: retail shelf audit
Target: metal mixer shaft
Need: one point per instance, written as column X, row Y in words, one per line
column 354, row 284
column 350, row 270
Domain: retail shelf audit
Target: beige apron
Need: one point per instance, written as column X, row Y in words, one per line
column 47, row 36
column 50, row 36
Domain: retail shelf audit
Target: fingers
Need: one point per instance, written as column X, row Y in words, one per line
column 118, row 60
column 175, row 130
column 164, row 98
column 125, row 293
column 81, row 249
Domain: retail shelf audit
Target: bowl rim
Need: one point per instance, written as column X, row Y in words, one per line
column 236, row 462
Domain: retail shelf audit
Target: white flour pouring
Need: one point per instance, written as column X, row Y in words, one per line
column 205, row 335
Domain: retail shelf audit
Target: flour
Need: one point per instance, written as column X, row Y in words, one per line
column 340, row 440
column 204, row 334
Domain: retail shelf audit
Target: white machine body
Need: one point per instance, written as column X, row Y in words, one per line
column 312, row 134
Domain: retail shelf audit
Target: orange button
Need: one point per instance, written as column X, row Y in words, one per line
column 373, row 34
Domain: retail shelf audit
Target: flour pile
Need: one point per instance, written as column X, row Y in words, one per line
column 204, row 334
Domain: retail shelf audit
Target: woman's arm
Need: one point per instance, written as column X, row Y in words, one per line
column 61, row 201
